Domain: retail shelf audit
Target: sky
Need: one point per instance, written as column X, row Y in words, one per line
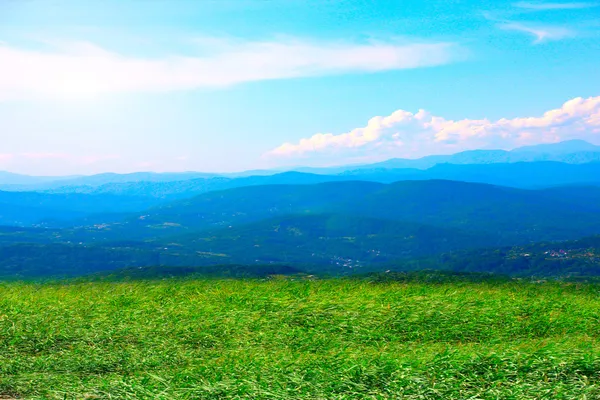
column 230, row 85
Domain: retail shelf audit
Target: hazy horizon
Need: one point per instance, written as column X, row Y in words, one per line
column 296, row 168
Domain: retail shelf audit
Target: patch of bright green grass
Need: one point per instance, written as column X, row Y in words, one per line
column 294, row 339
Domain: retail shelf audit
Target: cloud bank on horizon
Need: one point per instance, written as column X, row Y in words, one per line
column 411, row 135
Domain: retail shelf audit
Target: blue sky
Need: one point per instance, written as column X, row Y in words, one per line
column 123, row 86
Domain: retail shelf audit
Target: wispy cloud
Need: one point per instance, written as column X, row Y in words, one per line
column 76, row 159
column 78, row 70
column 36, row 157
column 539, row 32
column 542, row 6
column 407, row 134
column 48, row 163
column 45, row 156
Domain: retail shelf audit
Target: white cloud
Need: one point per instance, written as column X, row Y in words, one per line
column 411, row 135
column 539, row 6
column 541, row 33
column 79, row 70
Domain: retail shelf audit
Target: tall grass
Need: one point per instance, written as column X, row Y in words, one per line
column 284, row 339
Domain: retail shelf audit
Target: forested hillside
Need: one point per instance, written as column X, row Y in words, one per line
column 342, row 227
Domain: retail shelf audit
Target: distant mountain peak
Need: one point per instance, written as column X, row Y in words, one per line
column 565, row 147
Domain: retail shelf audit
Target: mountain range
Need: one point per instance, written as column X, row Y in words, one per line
column 569, row 152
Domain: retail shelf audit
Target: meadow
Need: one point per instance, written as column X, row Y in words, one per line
column 292, row 338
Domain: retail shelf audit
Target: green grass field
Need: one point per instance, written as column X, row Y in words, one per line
column 299, row 339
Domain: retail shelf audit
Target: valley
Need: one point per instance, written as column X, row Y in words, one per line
column 354, row 222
